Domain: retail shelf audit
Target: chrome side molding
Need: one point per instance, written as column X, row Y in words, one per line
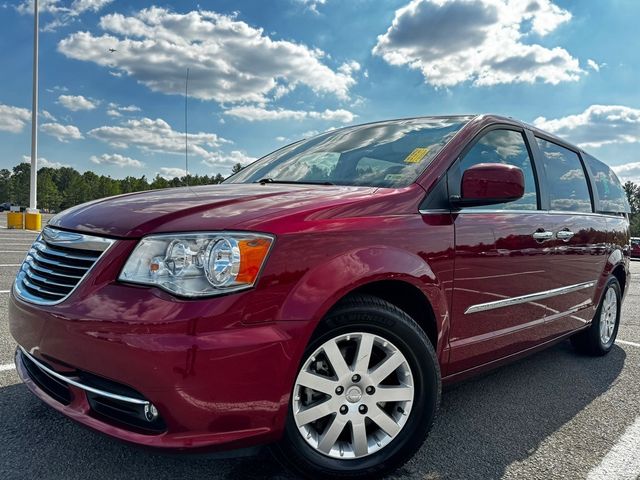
column 531, row 297
column 82, row 386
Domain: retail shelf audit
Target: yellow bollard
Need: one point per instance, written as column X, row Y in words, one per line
column 15, row 220
column 33, row 221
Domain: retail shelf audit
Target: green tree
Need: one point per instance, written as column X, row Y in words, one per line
column 49, row 197
column 5, row 185
column 236, row 168
column 633, row 195
column 20, row 178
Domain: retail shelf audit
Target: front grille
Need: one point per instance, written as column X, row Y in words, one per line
column 56, row 263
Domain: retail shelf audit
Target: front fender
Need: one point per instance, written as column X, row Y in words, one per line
column 323, row 286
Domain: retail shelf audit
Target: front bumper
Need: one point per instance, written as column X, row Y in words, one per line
column 217, row 383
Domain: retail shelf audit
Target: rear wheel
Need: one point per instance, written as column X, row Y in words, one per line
column 365, row 395
column 599, row 338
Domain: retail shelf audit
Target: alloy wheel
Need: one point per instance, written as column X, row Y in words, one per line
column 608, row 316
column 353, row 395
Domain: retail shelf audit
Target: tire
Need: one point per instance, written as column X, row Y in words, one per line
column 359, row 392
column 598, row 339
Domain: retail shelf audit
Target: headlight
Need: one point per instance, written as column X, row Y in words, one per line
column 198, row 264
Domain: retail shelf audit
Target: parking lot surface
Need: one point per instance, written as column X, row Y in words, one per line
column 552, row 415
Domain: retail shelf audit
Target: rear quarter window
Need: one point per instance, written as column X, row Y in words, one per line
column 567, row 182
column 611, row 196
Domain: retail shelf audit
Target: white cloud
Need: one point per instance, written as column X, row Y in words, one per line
column 593, row 65
column 129, row 108
column 169, row 173
column 13, row 119
column 116, row 159
column 628, row 172
column 63, row 133
column 63, row 14
column 77, row 102
column 311, row 5
column 43, row 162
column 47, row 116
column 256, row 113
column 220, row 159
column 598, row 125
column 482, row 41
column 229, row 60
column 157, row 136
column 116, row 110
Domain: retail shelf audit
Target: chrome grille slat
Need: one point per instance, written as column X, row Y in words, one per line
column 48, row 271
column 56, row 264
column 40, row 259
column 35, row 287
column 51, row 250
column 37, row 278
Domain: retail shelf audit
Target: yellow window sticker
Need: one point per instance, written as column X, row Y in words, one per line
column 417, row 155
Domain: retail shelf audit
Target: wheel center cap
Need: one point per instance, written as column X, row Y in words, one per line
column 353, row 394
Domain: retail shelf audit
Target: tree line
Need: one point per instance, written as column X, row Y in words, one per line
column 633, row 195
column 61, row 188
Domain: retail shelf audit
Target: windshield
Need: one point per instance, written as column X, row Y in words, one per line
column 384, row 154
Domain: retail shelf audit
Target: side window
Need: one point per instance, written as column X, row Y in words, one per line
column 509, row 147
column 568, row 188
column 611, row 195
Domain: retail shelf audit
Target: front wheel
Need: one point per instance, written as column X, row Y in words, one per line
column 365, row 395
column 599, row 338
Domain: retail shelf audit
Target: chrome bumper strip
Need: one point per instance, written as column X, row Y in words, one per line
column 82, row 386
column 532, row 297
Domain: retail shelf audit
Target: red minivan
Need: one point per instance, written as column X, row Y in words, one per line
column 318, row 299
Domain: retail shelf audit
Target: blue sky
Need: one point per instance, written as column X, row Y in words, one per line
column 266, row 73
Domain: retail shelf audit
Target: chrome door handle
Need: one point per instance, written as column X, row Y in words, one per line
column 541, row 235
column 564, row 235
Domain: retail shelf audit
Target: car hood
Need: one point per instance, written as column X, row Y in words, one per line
column 212, row 207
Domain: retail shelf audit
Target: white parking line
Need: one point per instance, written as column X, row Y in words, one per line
column 5, row 291
column 623, row 460
column 625, row 342
column 13, row 251
column 8, row 366
column 10, row 265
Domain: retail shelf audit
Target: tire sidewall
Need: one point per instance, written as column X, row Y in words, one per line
column 396, row 327
column 612, row 283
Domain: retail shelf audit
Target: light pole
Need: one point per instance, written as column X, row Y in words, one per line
column 32, row 216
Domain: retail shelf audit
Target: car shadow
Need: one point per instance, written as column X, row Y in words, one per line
column 488, row 423
column 484, row 425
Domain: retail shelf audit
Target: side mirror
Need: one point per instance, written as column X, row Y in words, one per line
column 490, row 183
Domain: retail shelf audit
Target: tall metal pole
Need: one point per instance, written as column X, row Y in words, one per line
column 34, row 115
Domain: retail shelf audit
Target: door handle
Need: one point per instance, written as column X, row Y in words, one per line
column 565, row 235
column 542, row 235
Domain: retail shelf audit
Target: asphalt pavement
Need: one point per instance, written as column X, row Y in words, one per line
column 553, row 415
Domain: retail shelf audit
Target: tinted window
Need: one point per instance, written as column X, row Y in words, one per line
column 612, row 197
column 509, row 147
column 384, row 154
column 568, row 188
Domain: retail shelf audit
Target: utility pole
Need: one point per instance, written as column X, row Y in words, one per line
column 32, row 217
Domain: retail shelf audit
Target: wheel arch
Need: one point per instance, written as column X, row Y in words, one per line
column 392, row 274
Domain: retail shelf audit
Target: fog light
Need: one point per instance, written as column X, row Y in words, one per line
column 150, row 412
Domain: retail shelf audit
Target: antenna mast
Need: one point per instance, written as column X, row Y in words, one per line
column 186, row 138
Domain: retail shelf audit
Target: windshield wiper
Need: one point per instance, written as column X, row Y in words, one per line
column 292, row 182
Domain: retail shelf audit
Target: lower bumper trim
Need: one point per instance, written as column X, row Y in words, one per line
column 82, row 386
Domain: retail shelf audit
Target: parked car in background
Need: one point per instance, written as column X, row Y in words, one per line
column 6, row 206
column 318, row 299
column 635, row 247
